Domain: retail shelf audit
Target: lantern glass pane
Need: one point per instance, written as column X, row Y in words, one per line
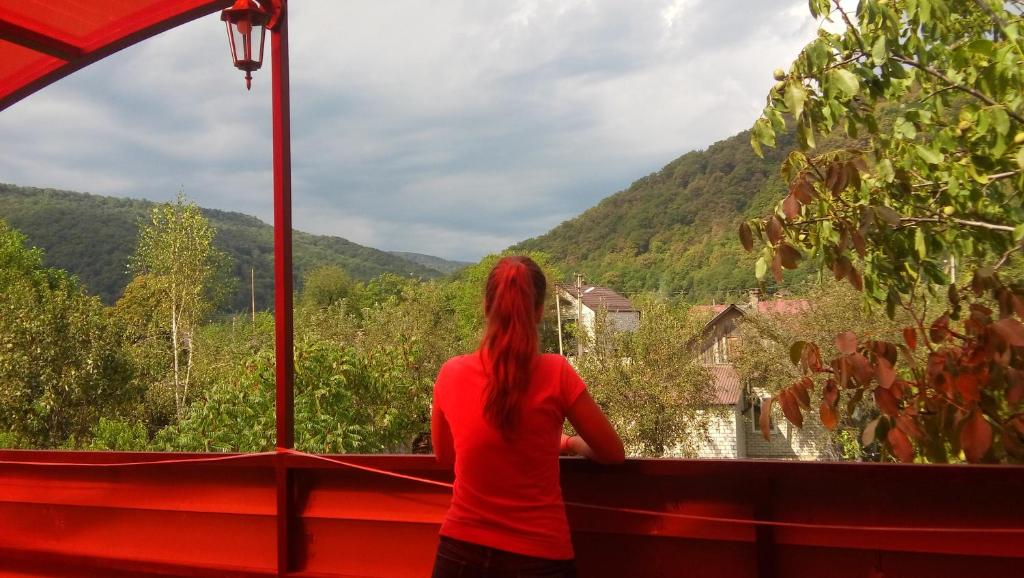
column 231, row 39
column 257, row 38
column 239, row 41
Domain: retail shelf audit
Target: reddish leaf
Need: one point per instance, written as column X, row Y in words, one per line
column 867, row 437
column 885, row 373
column 846, row 342
column 939, row 330
column 774, row 230
column 851, row 404
column 856, row 281
column 858, row 243
column 1010, row 330
column 967, row 383
column 800, row 391
column 1015, row 381
column 791, row 408
column 900, row 445
column 811, row 357
column 746, row 237
column 790, row 207
column 908, row 425
column 777, row 267
column 829, row 419
column 841, row 267
column 789, row 256
column 910, row 337
column 1013, row 436
column 766, row 417
column 862, row 370
column 831, row 393
column 802, row 189
column 887, row 402
column 976, row 437
column 884, row 349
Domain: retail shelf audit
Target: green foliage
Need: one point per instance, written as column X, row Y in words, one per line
column 118, row 435
column 932, row 91
column 325, row 285
column 93, row 237
column 61, row 365
column 649, row 382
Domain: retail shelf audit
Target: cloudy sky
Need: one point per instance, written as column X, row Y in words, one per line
column 453, row 128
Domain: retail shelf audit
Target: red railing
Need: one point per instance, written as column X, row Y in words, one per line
column 191, row 516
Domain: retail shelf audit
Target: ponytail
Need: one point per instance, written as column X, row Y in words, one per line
column 515, row 292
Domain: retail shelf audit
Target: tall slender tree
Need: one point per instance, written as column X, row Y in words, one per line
column 188, row 275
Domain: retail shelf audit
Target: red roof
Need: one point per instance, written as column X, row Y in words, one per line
column 726, row 383
column 42, row 41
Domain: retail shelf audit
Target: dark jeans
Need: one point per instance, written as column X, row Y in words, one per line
column 458, row 559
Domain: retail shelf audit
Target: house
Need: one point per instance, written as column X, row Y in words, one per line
column 734, row 431
column 586, row 302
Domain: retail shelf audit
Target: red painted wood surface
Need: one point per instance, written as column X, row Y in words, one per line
column 220, row 518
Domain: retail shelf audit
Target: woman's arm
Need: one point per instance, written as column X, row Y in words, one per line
column 441, row 437
column 597, row 439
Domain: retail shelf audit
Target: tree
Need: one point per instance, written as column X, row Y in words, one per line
column 187, row 273
column 61, row 366
column 326, row 285
column 916, row 200
column 650, row 381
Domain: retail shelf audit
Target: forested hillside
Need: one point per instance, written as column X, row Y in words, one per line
column 436, row 263
column 93, row 237
column 674, row 231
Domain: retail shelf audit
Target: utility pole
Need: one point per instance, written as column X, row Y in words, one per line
column 558, row 316
column 579, row 317
column 252, row 288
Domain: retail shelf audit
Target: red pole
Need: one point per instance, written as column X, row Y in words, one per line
column 284, row 355
column 283, row 342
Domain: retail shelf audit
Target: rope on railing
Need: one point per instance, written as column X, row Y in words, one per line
column 614, row 509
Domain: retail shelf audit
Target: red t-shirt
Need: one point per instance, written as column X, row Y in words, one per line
column 507, row 491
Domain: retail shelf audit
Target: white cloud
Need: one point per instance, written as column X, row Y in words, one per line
column 453, row 128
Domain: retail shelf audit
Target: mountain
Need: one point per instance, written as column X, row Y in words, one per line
column 443, row 266
column 674, row 231
column 93, row 236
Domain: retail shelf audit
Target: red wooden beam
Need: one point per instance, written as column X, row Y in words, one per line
column 35, row 40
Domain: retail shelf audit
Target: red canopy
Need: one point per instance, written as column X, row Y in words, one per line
column 42, row 41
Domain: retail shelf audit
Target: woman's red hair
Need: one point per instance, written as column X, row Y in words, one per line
column 515, row 294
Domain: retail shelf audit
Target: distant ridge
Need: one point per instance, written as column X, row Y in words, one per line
column 443, row 266
column 93, row 236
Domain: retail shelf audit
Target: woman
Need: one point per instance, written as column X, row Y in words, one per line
column 498, row 415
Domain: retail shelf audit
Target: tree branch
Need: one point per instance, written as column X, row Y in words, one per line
column 964, row 222
column 967, row 89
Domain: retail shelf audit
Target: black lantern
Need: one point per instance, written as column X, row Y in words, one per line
column 246, row 22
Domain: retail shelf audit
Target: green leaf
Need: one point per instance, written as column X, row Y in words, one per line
column 796, row 351
column 760, row 267
column 1001, row 121
column 919, row 244
column 846, row 81
column 878, row 52
column 928, row 155
column 795, row 97
column 1018, row 233
column 1020, row 157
